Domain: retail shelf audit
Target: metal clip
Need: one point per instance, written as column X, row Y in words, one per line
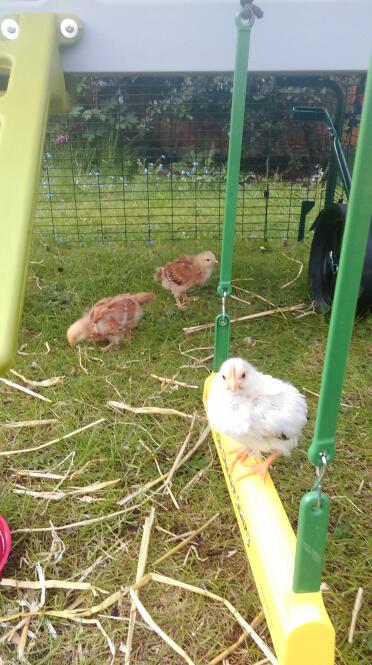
column 320, row 471
column 223, row 306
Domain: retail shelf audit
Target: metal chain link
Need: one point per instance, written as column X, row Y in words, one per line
column 223, row 307
column 319, row 472
column 248, row 10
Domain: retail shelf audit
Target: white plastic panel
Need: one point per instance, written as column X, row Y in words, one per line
column 199, row 35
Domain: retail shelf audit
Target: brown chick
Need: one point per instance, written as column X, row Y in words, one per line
column 182, row 274
column 111, row 319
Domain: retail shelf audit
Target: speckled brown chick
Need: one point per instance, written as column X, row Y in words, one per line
column 110, row 319
column 185, row 272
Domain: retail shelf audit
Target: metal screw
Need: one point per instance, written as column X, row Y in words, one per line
column 10, row 28
column 69, row 28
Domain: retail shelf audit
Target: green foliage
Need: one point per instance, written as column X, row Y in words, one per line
column 128, row 112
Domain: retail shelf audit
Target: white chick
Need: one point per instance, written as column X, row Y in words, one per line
column 260, row 413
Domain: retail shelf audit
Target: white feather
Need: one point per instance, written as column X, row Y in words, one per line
column 263, row 415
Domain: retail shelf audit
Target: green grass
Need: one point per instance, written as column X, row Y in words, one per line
column 63, row 281
column 78, row 202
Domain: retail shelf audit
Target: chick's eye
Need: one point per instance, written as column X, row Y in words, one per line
column 243, row 375
column 224, row 377
column 208, row 259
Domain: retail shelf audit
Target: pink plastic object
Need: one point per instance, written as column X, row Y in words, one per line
column 5, row 543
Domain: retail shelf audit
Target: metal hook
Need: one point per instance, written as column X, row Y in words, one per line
column 223, row 306
column 320, row 471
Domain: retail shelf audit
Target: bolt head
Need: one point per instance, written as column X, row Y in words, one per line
column 69, row 28
column 9, row 28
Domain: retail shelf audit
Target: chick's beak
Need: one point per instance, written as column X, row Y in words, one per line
column 233, row 384
column 71, row 338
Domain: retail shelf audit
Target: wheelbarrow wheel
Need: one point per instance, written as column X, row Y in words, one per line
column 324, row 260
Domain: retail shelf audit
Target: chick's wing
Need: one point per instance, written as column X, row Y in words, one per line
column 112, row 315
column 182, row 271
column 278, row 416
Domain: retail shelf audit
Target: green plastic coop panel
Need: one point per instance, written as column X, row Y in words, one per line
column 199, row 35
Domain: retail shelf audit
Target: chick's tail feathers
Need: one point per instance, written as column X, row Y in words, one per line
column 158, row 275
column 144, row 297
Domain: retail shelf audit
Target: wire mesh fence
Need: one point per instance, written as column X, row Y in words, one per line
column 144, row 158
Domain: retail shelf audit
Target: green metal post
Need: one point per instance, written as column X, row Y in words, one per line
column 333, row 164
column 320, row 82
column 309, row 552
column 30, row 56
column 306, row 206
column 222, row 321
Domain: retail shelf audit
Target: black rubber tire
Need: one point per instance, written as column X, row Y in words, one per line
column 324, row 259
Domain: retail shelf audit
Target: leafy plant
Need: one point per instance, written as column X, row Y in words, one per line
column 167, row 119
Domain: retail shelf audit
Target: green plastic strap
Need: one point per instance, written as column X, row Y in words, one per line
column 312, row 523
column 221, row 343
column 221, row 340
column 312, row 533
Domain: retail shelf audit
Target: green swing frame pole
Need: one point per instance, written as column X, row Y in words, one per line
column 222, row 321
column 314, row 506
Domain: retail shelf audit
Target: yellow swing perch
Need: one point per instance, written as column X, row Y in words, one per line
column 287, row 571
column 299, row 625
